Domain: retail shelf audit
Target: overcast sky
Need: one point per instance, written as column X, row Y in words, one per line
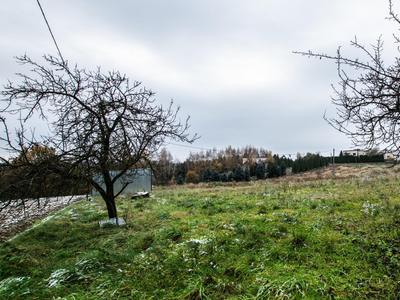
column 227, row 63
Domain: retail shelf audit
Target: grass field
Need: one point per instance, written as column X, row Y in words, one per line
column 299, row 238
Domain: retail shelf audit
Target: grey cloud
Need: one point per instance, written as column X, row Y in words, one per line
column 229, row 64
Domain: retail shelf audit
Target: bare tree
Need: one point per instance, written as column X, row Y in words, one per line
column 99, row 123
column 370, row 101
column 164, row 167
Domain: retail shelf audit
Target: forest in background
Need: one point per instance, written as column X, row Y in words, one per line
column 238, row 164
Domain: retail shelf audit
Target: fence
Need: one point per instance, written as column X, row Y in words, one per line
column 138, row 180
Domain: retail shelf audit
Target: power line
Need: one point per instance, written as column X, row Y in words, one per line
column 190, row 147
column 48, row 26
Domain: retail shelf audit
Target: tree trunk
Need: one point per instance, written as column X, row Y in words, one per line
column 111, row 208
column 110, row 198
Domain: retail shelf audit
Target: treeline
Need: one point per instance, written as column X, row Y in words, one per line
column 32, row 175
column 229, row 164
column 20, row 176
column 240, row 164
column 309, row 162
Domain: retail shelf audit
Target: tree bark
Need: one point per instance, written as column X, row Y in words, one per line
column 111, row 208
column 110, row 197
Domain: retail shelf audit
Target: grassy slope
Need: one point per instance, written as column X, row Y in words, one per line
column 322, row 239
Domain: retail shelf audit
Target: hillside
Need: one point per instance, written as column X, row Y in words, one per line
column 346, row 171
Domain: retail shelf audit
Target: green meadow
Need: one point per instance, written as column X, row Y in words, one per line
column 319, row 239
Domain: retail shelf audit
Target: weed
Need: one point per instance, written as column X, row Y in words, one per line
column 299, row 240
column 145, row 242
column 165, row 215
column 172, row 234
column 262, row 209
column 129, row 214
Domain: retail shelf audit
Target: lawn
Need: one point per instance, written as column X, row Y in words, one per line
column 319, row 239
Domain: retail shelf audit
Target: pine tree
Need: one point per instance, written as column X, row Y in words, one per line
column 224, row 177
column 302, row 165
column 306, row 166
column 239, row 174
column 246, row 174
column 216, row 177
column 322, row 161
column 230, row 176
column 296, row 167
column 283, row 169
column 260, row 171
column 273, row 171
column 208, row 175
column 310, row 162
column 180, row 180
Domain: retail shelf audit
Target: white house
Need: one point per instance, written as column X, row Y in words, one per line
column 390, row 156
column 257, row 160
column 354, row 152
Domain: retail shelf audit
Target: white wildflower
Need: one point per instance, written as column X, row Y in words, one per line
column 370, row 208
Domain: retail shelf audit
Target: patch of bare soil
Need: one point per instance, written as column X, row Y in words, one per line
column 16, row 217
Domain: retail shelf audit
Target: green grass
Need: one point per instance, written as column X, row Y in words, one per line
column 331, row 239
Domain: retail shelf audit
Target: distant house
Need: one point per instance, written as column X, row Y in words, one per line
column 256, row 160
column 390, row 156
column 354, row 152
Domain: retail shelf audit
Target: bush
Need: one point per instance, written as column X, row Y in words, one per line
column 192, row 177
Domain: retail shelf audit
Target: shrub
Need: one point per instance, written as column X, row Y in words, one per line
column 192, row 177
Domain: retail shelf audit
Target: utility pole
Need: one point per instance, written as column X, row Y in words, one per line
column 333, row 162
